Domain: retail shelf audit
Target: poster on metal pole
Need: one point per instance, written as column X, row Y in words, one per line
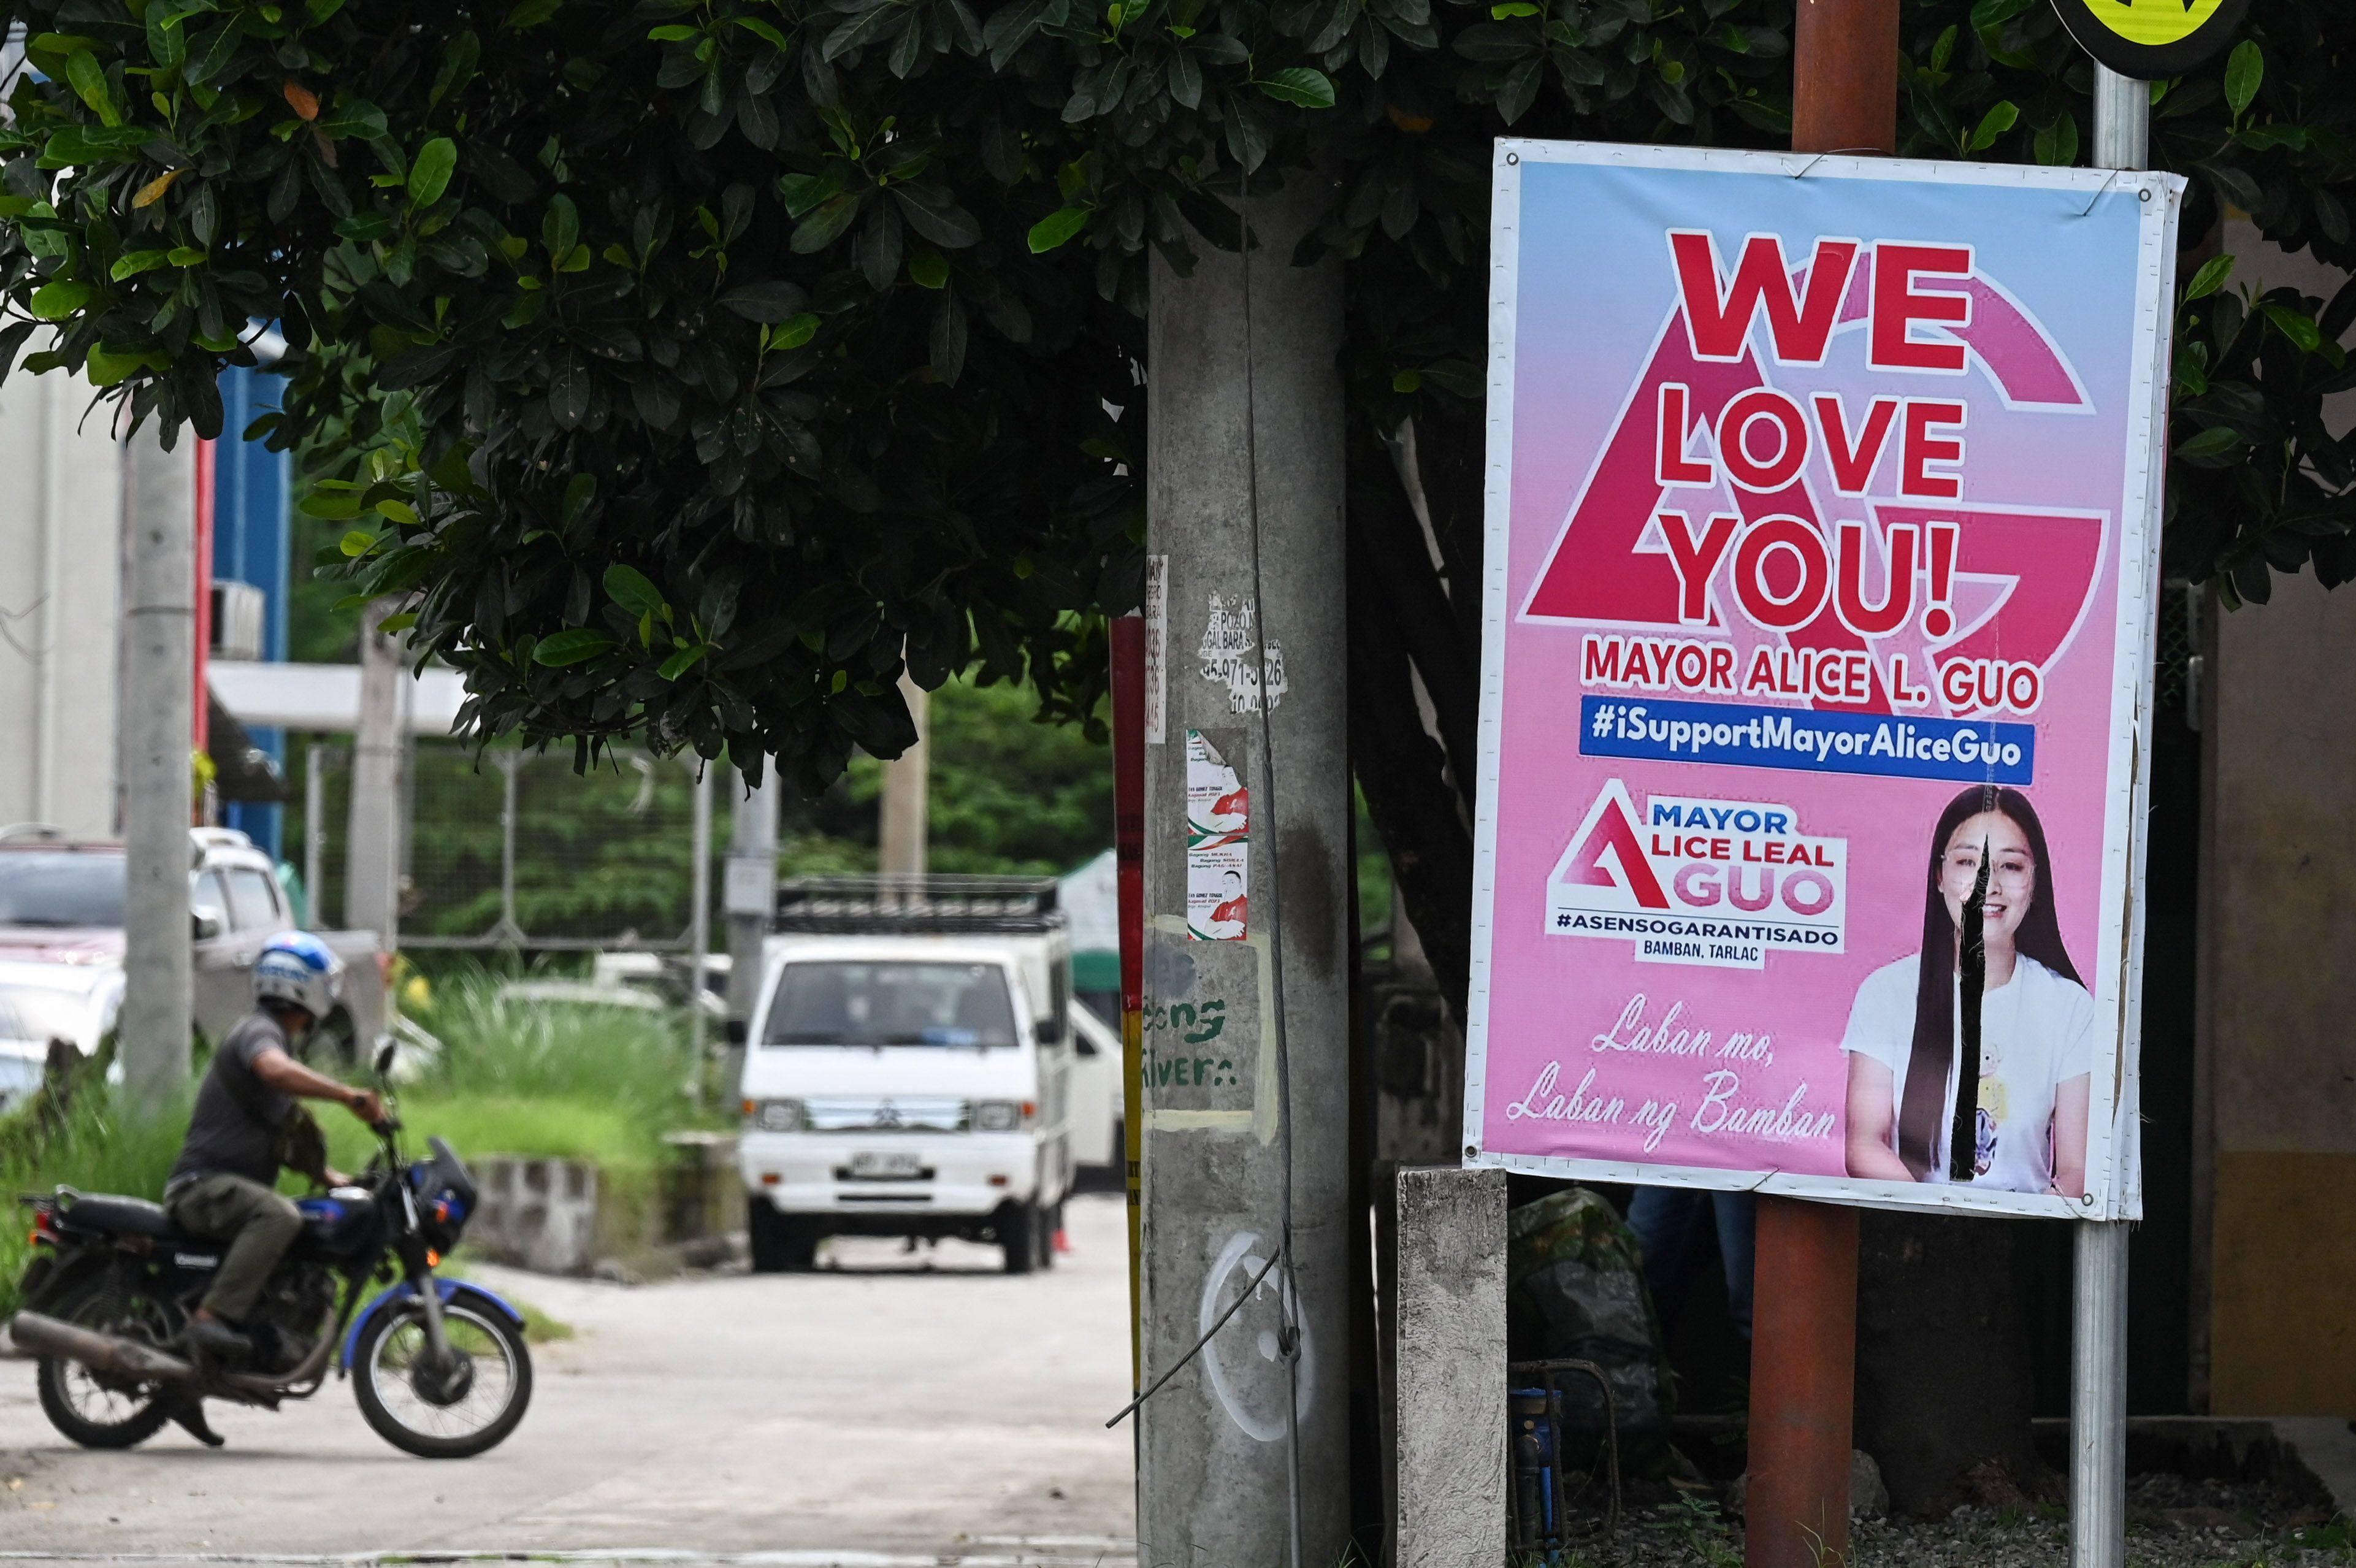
column 1824, row 501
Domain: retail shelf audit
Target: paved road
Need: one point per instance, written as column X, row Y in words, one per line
column 883, row 1407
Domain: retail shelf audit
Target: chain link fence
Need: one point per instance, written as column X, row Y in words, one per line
column 513, row 849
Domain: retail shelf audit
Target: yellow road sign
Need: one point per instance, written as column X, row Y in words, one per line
column 2151, row 38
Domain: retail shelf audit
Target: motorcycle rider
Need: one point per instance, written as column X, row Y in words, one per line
column 224, row 1186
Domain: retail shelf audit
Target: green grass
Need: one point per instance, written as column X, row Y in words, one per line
column 98, row 1149
column 531, row 1080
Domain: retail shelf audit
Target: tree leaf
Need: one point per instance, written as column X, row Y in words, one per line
column 429, row 176
column 302, row 99
column 88, row 78
column 579, row 492
column 57, row 300
column 680, row 662
column 1298, row 85
column 632, row 590
column 1057, row 228
column 2209, row 279
column 794, row 332
column 1994, row 123
column 2245, row 68
column 152, row 191
column 2213, row 442
column 573, row 645
column 777, row 300
column 357, row 544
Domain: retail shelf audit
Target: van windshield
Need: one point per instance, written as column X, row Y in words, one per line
column 918, row 1003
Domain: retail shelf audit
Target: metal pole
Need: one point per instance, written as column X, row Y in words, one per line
column 372, row 839
column 158, row 719
column 2098, row 1383
column 1803, row 1328
column 510, row 764
column 699, row 920
column 315, row 832
column 1247, row 1447
column 2122, row 121
column 900, row 827
column 2098, row 1303
column 750, row 898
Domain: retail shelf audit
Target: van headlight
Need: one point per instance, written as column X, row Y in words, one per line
column 775, row 1115
column 997, row 1115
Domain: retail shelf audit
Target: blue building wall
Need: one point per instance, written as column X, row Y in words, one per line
column 252, row 496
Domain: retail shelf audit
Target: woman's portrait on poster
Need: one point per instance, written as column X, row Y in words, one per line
column 2037, row 1022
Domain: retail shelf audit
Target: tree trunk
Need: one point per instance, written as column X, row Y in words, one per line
column 1401, row 623
column 1942, row 1366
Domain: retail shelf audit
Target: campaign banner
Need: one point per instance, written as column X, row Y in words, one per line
column 1822, row 553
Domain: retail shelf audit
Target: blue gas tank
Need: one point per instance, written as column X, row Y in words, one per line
column 341, row 1223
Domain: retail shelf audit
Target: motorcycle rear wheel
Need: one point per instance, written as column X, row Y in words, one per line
column 85, row 1407
column 396, row 1388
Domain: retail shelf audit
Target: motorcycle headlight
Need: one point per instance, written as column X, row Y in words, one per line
column 997, row 1115
column 775, row 1115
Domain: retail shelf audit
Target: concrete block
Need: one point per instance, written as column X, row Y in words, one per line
column 1451, row 1477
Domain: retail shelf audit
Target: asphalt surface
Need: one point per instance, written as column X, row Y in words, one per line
column 890, row 1412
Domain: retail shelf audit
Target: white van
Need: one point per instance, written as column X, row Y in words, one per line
column 908, row 1068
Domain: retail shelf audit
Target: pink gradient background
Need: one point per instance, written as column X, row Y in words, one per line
column 1595, row 287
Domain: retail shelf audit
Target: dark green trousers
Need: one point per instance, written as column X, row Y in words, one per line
column 258, row 1224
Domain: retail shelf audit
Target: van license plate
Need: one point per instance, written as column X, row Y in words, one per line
column 894, row 1166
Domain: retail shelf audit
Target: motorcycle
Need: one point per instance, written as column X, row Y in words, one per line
column 438, row 1367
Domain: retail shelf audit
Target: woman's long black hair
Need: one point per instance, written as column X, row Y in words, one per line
column 1924, row 1114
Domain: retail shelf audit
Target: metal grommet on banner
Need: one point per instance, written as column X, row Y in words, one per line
column 2144, row 195
column 1512, row 157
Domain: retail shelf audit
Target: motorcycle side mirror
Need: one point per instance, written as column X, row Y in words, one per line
column 386, row 1050
column 204, row 922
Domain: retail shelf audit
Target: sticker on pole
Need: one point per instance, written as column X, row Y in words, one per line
column 1823, row 547
column 2148, row 39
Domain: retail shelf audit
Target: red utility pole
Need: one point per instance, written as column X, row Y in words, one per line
column 1804, row 1322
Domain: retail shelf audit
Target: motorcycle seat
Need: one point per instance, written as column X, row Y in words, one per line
column 118, row 1216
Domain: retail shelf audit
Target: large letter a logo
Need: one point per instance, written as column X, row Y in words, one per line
column 1606, row 853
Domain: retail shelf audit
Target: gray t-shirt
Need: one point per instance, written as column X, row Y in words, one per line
column 234, row 1128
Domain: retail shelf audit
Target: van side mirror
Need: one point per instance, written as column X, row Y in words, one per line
column 204, row 922
column 1047, row 1032
column 733, row 1032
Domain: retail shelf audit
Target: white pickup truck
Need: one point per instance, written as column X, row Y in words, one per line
column 62, row 903
column 908, row 1068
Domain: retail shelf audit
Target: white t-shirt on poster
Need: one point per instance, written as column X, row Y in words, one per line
column 2036, row 1031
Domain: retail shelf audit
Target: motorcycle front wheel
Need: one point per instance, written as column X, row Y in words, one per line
column 435, row 1409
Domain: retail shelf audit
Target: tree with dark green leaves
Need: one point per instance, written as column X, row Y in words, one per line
column 691, row 366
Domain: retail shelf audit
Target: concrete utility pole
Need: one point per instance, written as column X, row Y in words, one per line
column 159, row 719
column 1225, row 1477
column 900, row 830
column 1804, row 1325
column 749, row 897
column 373, row 854
column 2098, row 1340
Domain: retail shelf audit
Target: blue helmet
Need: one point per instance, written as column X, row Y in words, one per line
column 296, row 968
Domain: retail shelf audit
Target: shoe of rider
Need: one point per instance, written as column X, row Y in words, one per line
column 224, row 1186
column 219, row 1339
